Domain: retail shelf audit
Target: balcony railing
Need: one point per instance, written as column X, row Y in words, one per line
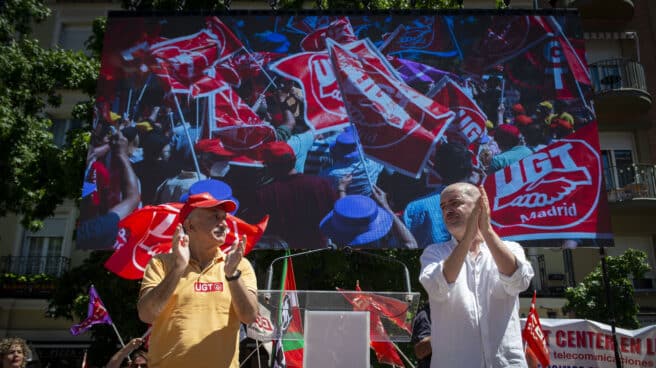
column 631, row 182
column 54, row 266
column 619, row 86
column 616, row 74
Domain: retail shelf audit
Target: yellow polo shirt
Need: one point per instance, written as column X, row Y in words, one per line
column 198, row 326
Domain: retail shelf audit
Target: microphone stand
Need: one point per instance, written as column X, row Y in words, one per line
column 270, row 269
column 349, row 250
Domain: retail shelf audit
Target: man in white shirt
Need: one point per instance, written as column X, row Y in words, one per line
column 473, row 281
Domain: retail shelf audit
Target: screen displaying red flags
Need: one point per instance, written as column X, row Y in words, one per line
column 534, row 336
column 289, row 350
column 554, row 193
column 149, row 231
column 390, row 117
column 96, row 314
column 237, row 78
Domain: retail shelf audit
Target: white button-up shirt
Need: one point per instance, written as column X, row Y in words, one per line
column 475, row 320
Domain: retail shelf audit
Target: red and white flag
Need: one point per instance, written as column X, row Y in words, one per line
column 228, row 43
column 339, row 30
column 469, row 123
column 324, row 107
column 555, row 193
column 534, row 337
column 149, row 231
column 313, row 71
column 390, row 116
column 241, row 130
column 377, row 305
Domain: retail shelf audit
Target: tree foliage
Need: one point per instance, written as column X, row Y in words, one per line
column 36, row 174
column 588, row 299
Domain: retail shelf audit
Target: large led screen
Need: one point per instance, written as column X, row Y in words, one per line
column 290, row 114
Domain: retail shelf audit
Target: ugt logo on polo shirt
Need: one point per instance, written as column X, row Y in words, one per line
column 207, row 287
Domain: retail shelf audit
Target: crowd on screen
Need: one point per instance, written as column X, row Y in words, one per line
column 166, row 157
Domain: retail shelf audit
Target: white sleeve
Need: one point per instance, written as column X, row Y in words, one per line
column 431, row 276
column 521, row 278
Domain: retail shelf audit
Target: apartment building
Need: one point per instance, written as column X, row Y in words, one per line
column 620, row 39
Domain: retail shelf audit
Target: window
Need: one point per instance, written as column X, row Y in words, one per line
column 72, row 36
column 617, row 168
column 41, row 251
column 60, row 127
column 618, row 157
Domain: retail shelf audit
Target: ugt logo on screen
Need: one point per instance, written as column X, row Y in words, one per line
column 555, row 188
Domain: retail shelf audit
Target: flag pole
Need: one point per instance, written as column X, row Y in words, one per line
column 361, row 155
column 118, row 335
column 609, row 304
column 186, row 130
column 403, row 355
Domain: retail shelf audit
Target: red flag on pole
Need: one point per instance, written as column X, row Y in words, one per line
column 339, row 30
column 389, row 115
column 96, row 314
column 289, row 349
column 534, row 336
column 149, row 231
column 381, row 344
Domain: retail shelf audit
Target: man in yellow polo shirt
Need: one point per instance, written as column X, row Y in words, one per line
column 196, row 296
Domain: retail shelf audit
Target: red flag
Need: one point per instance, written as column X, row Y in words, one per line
column 289, row 349
column 250, row 68
column 324, row 107
column 240, row 128
column 188, row 56
column 390, row 116
column 502, row 39
column 149, row 231
column 381, row 344
column 534, row 336
column 228, row 44
column 573, row 50
column 555, row 193
column 469, row 124
column 426, row 35
column 96, row 314
column 339, row 30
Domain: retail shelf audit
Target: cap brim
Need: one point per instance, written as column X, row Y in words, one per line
column 226, row 205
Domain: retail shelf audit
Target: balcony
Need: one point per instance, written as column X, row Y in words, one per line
column 604, row 11
column 619, row 86
column 30, row 277
column 634, row 182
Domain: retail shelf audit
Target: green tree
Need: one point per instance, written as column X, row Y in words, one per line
column 588, row 299
column 36, row 174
